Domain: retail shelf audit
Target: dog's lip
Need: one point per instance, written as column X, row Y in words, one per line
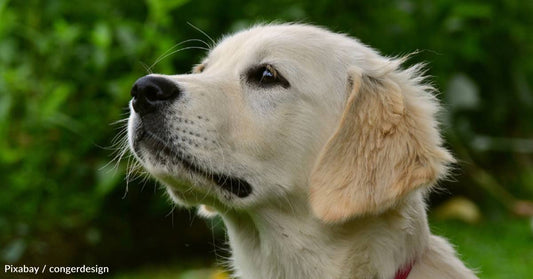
column 237, row 186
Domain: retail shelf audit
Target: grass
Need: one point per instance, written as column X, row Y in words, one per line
column 498, row 250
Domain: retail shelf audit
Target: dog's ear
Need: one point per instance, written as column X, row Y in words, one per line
column 386, row 145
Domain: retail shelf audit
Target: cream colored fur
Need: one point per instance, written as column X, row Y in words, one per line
column 339, row 161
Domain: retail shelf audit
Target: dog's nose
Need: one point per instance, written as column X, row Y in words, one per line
column 150, row 92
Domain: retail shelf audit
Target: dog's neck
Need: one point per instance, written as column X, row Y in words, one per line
column 287, row 241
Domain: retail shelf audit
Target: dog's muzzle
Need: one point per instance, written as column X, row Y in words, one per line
column 150, row 94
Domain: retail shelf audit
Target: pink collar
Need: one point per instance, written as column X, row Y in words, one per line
column 404, row 272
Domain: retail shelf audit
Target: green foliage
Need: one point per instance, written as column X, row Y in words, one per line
column 66, row 68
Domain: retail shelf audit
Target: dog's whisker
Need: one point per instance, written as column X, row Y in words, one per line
column 146, row 68
column 174, row 52
column 144, row 181
column 119, row 122
column 119, row 148
column 118, row 157
column 130, row 168
column 204, row 33
column 180, row 43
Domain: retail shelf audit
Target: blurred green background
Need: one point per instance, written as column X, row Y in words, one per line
column 66, row 68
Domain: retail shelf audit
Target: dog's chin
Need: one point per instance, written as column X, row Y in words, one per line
column 174, row 167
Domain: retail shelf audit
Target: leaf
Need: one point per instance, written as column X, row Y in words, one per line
column 462, row 93
column 101, row 35
column 107, row 177
column 14, row 251
column 159, row 9
column 53, row 101
column 472, row 10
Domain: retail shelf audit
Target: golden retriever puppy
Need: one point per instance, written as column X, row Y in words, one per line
column 316, row 151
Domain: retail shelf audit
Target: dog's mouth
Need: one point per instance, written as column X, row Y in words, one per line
column 237, row 186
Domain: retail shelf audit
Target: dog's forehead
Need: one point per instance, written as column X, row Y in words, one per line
column 274, row 40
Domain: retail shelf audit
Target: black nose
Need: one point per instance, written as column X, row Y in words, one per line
column 151, row 92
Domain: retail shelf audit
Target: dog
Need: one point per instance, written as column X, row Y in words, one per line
column 316, row 151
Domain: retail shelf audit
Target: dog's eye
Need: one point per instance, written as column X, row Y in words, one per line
column 266, row 76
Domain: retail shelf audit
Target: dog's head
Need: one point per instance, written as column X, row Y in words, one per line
column 289, row 110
